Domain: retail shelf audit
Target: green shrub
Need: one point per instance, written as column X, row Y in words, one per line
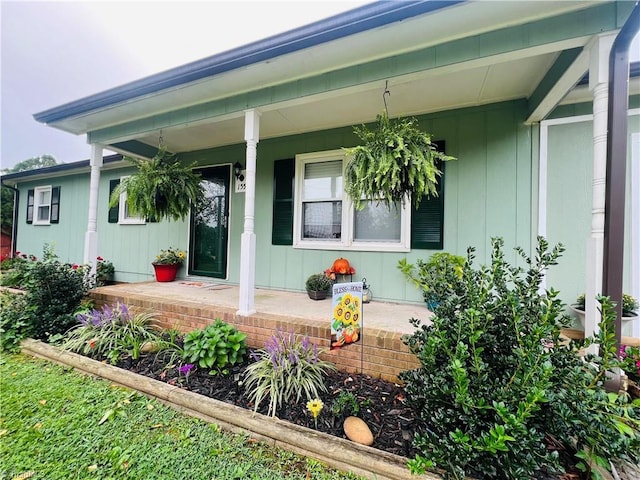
column 285, row 369
column 14, row 316
column 496, row 383
column 111, row 332
column 435, row 277
column 54, row 290
column 15, row 269
column 216, row 347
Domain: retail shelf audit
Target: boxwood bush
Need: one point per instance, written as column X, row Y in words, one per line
column 498, row 385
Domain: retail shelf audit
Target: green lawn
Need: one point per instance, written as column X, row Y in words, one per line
column 58, row 424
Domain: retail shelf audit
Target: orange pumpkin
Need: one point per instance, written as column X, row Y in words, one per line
column 341, row 265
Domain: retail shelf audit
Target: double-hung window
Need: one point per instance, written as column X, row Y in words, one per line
column 43, row 205
column 325, row 218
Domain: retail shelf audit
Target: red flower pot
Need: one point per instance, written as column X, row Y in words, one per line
column 166, row 272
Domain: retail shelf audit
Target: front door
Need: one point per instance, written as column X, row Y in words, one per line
column 209, row 225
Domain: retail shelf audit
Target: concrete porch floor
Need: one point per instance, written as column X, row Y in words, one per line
column 391, row 317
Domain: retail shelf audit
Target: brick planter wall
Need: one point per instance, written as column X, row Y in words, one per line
column 384, row 355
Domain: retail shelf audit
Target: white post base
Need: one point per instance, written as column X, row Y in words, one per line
column 247, row 274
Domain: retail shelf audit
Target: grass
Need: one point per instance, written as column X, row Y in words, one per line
column 58, row 424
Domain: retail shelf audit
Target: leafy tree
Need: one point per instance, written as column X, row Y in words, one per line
column 32, row 163
column 6, row 209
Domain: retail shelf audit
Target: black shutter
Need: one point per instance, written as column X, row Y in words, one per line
column 30, row 200
column 283, row 177
column 113, row 211
column 55, row 205
column 427, row 221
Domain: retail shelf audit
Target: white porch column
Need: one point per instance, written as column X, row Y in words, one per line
column 248, row 238
column 91, row 236
column 599, row 49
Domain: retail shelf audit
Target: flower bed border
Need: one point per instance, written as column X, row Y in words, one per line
column 337, row 452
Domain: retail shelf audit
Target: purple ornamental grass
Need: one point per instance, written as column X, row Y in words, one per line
column 285, row 351
column 105, row 316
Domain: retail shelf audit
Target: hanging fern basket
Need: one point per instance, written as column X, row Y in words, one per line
column 162, row 188
column 396, row 163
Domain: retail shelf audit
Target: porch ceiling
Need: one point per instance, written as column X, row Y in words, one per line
column 410, row 95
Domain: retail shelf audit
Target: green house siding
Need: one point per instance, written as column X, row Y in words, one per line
column 66, row 236
column 569, row 200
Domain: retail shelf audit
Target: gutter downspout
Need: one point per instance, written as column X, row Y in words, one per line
column 617, row 164
column 14, row 225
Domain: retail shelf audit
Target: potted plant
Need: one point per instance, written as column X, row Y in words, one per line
column 318, row 286
column 435, row 277
column 161, row 188
column 104, row 271
column 629, row 308
column 396, row 162
column 167, row 262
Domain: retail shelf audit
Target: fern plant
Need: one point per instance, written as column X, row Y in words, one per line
column 161, row 188
column 397, row 162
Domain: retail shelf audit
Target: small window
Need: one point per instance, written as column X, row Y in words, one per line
column 43, row 205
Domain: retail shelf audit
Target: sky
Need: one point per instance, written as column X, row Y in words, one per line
column 54, row 52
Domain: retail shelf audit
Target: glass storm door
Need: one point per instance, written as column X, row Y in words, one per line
column 209, row 225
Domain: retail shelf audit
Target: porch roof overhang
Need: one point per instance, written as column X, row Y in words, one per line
column 435, row 55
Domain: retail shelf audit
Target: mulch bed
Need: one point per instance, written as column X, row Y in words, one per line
column 384, row 406
column 383, row 403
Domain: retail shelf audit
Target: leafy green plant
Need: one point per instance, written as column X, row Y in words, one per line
column 496, row 382
column 346, row 403
column 216, row 347
column 54, row 291
column 111, row 332
column 170, row 256
column 104, row 271
column 285, row 369
column 435, row 277
column 15, row 269
column 603, row 426
column 318, row 282
column 14, row 321
column 161, row 188
column 396, row 163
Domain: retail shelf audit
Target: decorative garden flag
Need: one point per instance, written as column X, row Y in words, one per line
column 346, row 322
